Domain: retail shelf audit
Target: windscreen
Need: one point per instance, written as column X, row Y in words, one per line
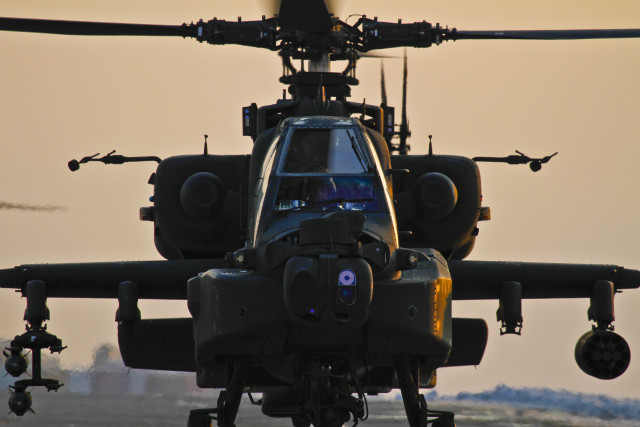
column 325, row 151
column 326, row 194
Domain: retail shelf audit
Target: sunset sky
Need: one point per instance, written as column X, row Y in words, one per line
column 65, row 97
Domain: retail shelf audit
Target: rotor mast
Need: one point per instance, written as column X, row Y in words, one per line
column 321, row 64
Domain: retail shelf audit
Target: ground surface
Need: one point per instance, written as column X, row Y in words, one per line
column 69, row 410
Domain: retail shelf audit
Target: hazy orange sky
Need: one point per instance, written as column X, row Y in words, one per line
column 64, row 97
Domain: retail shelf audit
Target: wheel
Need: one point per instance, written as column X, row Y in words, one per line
column 300, row 422
column 443, row 423
column 199, row 418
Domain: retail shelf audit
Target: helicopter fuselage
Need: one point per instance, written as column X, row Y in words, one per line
column 322, row 286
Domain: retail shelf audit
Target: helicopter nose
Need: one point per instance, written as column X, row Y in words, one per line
column 340, row 288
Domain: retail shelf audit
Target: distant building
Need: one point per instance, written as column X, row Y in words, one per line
column 107, row 376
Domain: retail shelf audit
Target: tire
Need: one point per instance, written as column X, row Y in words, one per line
column 300, row 422
column 199, row 418
column 443, row 423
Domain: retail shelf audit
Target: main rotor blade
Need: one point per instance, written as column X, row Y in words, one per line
column 546, row 34
column 93, row 28
column 311, row 16
column 375, row 55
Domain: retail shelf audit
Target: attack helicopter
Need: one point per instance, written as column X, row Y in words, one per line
column 297, row 222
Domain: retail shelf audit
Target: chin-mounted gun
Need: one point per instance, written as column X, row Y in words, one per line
column 520, row 159
column 110, row 159
column 36, row 338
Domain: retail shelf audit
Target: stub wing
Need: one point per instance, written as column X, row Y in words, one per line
column 481, row 280
column 600, row 352
column 154, row 279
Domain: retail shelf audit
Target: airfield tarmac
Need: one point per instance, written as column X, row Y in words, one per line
column 73, row 410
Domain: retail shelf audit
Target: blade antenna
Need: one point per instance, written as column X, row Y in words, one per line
column 404, row 124
column 383, row 85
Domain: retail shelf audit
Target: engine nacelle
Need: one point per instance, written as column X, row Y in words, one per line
column 437, row 195
column 201, row 195
column 199, row 209
column 438, row 202
column 602, row 354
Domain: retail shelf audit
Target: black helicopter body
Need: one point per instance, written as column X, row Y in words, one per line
column 322, row 267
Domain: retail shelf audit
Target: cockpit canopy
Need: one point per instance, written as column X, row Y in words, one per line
column 318, row 165
column 325, row 151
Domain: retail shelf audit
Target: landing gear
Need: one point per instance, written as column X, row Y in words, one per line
column 300, row 422
column 324, row 395
column 228, row 400
column 414, row 403
column 443, row 419
column 201, row 417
